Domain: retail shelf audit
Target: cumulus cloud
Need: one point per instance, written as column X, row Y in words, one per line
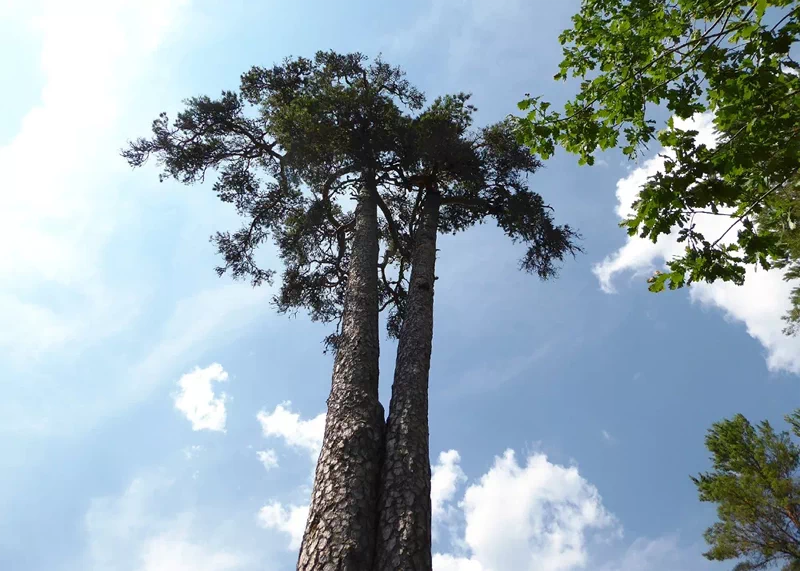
column 447, row 562
column 302, row 434
column 446, row 477
column 759, row 304
column 269, row 458
column 197, row 400
column 290, row 520
column 536, row 516
column 305, row 435
column 533, row 515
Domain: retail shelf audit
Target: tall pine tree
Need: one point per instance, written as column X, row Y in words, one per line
column 289, row 150
column 321, row 130
column 754, row 483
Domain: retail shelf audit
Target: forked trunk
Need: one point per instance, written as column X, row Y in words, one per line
column 404, row 521
column 340, row 531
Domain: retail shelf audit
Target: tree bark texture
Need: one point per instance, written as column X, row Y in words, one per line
column 340, row 530
column 404, row 505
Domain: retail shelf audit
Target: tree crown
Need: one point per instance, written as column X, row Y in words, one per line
column 754, row 482
column 302, row 139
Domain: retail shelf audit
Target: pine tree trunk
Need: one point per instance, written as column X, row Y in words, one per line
column 404, row 505
column 340, row 531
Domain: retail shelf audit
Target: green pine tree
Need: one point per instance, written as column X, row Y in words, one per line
column 754, row 482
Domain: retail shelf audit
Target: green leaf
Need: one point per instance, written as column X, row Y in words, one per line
column 761, row 7
column 634, row 58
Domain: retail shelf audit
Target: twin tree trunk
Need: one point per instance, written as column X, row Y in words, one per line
column 353, row 496
column 404, row 506
column 340, row 531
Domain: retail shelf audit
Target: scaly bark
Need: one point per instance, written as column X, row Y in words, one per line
column 404, row 520
column 340, row 531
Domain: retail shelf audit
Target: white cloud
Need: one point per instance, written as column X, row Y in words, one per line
column 197, row 401
column 446, row 477
column 301, row 434
column 57, row 172
column 607, row 436
column 304, row 434
column 533, row 516
column 74, row 276
column 447, row 562
column 126, row 533
column 172, row 552
column 290, row 520
column 538, row 516
column 759, row 304
column 269, row 458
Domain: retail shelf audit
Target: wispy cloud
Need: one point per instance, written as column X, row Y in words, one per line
column 59, row 199
column 72, row 237
column 129, row 533
column 660, row 554
column 495, row 375
column 463, row 35
column 196, row 323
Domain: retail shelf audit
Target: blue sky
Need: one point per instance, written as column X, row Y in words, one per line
column 146, row 424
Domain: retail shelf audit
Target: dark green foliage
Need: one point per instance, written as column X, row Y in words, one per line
column 479, row 174
column 302, row 137
column 483, row 174
column 730, row 58
column 297, row 140
column 754, row 483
